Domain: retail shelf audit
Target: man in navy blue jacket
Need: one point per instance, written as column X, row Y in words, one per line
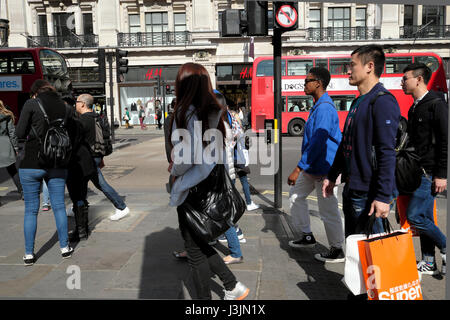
column 320, row 143
column 368, row 188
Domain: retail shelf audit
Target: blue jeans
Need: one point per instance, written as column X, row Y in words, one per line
column 101, row 184
column 233, row 241
column 420, row 216
column 356, row 206
column 45, row 194
column 31, row 180
column 246, row 188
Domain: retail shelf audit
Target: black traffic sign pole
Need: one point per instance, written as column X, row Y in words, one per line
column 276, row 42
column 111, row 95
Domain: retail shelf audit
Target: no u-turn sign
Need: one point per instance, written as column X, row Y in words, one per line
column 286, row 15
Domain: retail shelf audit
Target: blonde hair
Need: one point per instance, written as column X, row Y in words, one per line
column 3, row 110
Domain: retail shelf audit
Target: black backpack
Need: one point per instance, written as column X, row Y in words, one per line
column 56, row 148
column 102, row 145
column 408, row 170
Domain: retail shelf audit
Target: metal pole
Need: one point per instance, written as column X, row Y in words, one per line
column 276, row 42
column 447, row 279
column 111, row 96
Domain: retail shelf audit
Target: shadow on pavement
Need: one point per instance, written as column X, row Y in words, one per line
column 162, row 276
column 321, row 284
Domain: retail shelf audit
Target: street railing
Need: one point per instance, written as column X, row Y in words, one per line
column 411, row 32
column 70, row 41
column 343, row 34
column 167, row 38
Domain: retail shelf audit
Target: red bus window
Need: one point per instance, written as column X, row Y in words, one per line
column 429, row 61
column 52, row 63
column 3, row 64
column 339, row 66
column 22, row 63
column 397, row 64
column 343, row 103
column 299, row 67
column 265, row 68
column 322, row 63
column 299, row 103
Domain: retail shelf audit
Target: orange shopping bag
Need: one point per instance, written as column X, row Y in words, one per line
column 388, row 264
column 402, row 206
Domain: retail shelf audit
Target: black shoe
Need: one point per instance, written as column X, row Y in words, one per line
column 334, row 255
column 29, row 259
column 306, row 242
column 67, row 252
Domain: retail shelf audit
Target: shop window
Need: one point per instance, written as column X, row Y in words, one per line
column 339, row 66
column 397, row 64
column 224, row 73
column 299, row 67
column 299, row 103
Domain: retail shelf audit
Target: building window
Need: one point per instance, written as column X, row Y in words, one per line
column 63, row 24
column 179, row 22
column 43, row 25
column 270, row 19
column 408, row 17
column 135, row 23
column 156, row 22
column 339, row 21
column 435, row 13
column 360, row 17
column 87, row 23
column 314, row 18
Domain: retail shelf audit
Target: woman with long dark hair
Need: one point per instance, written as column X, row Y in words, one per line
column 196, row 101
column 32, row 126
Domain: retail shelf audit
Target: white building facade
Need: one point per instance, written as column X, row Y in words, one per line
column 161, row 35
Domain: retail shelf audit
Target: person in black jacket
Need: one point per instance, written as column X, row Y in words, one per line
column 32, row 172
column 428, row 134
column 87, row 119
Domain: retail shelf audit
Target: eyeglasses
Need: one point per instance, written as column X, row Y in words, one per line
column 311, row 80
column 405, row 78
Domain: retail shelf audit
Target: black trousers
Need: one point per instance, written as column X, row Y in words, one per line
column 204, row 259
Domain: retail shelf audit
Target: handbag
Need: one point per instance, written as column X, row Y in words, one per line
column 213, row 206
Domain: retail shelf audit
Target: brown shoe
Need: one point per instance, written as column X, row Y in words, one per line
column 231, row 260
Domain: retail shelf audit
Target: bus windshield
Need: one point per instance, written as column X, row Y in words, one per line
column 52, row 63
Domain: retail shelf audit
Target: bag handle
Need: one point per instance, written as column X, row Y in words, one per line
column 370, row 223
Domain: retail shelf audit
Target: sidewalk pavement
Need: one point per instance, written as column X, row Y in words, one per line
column 132, row 258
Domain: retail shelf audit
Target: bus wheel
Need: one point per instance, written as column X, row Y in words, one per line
column 296, row 127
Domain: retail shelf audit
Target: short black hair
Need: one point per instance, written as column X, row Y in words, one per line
column 373, row 53
column 322, row 74
column 419, row 69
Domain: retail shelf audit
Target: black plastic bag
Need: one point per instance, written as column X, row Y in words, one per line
column 214, row 205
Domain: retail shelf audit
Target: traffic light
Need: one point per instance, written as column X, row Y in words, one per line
column 231, row 23
column 121, row 64
column 285, row 15
column 168, row 89
column 257, row 18
column 100, row 60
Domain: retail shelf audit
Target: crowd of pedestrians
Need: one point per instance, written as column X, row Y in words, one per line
column 362, row 157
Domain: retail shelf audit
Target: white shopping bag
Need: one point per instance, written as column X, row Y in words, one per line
column 353, row 276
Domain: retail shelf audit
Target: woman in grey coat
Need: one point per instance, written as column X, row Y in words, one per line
column 9, row 145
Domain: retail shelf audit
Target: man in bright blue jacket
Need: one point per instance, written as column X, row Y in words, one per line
column 320, row 143
column 366, row 155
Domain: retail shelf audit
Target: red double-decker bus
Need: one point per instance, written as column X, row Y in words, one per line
column 296, row 104
column 20, row 67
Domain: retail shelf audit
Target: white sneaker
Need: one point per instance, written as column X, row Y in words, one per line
column 70, row 212
column 252, row 206
column 120, row 214
column 240, row 292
